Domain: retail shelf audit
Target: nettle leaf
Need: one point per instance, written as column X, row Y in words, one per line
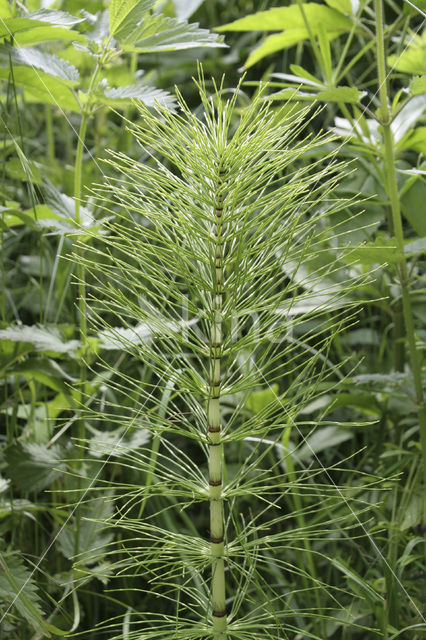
column 412, row 60
column 33, row 466
column 43, row 34
column 113, row 443
column 51, row 16
column 18, row 588
column 280, row 18
column 291, row 21
column 42, row 338
column 11, row 26
column 160, row 33
column 92, row 538
column 34, row 58
column 125, row 15
column 42, row 87
column 418, row 85
column 121, row 96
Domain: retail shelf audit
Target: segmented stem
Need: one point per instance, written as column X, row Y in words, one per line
column 214, row 430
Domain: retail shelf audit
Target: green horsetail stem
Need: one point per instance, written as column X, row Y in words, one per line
column 218, row 592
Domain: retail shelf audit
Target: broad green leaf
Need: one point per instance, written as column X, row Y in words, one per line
column 28, row 172
column 18, row 588
column 36, row 59
column 120, row 96
column 415, row 247
column 413, row 58
column 5, row 10
column 414, row 513
column 125, row 15
column 113, row 443
column 258, row 400
column 418, row 85
column 33, row 466
column 160, row 33
column 280, row 41
column 321, row 439
column 412, row 204
column 349, row 7
column 409, row 115
column 341, row 94
column 415, row 140
column 42, row 87
column 280, row 18
column 300, row 71
column 59, row 18
column 378, row 252
column 10, row 26
column 43, row 339
column 361, row 337
column 92, row 538
column 43, row 34
column 185, row 8
column 42, row 370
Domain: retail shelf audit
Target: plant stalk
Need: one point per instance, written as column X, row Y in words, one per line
column 218, row 592
column 401, row 265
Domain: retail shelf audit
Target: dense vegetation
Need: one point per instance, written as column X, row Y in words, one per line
column 212, row 319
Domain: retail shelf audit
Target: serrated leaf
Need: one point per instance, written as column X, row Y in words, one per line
column 288, row 18
column 43, row 87
column 33, row 466
column 46, row 33
column 36, row 59
column 418, row 85
column 112, row 443
column 150, row 96
column 160, row 33
column 125, row 15
column 42, row 338
column 92, row 538
column 18, row 588
column 349, row 95
column 10, row 26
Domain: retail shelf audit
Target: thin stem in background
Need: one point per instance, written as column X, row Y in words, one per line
column 401, row 265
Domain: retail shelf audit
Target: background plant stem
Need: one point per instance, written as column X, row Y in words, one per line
column 390, row 171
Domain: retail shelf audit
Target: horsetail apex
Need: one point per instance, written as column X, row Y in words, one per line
column 217, row 220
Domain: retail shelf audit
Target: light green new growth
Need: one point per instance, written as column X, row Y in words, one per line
column 200, row 274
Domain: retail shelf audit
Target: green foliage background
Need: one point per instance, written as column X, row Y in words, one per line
column 69, row 72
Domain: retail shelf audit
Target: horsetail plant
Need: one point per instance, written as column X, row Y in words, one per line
column 200, row 274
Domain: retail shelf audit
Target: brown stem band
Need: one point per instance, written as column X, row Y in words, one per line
column 219, row 614
column 215, row 483
column 216, row 540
